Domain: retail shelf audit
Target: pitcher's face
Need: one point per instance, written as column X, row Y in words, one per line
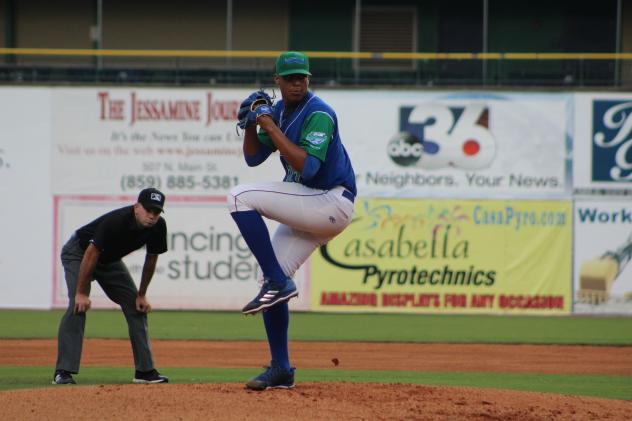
column 293, row 87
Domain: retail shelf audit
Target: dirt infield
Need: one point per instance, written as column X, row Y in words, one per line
column 340, row 401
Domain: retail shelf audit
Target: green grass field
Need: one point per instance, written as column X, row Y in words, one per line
column 615, row 331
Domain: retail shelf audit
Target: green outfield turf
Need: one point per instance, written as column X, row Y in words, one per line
column 338, row 327
column 341, row 327
column 612, row 387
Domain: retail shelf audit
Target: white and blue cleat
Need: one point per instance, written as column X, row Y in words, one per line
column 271, row 293
column 274, row 377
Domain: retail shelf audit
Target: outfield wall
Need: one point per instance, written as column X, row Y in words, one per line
column 517, row 202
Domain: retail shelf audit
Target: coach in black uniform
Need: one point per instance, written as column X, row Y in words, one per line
column 94, row 252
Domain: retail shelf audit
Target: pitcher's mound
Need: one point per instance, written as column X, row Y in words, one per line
column 308, row 401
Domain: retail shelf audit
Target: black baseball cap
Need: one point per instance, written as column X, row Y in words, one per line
column 152, row 198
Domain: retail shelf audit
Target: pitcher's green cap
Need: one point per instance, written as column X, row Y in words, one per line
column 292, row 62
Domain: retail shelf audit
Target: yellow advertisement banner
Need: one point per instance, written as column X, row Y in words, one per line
column 448, row 256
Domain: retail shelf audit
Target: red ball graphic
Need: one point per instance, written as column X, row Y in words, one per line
column 471, row 147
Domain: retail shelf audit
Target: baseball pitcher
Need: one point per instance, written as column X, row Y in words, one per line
column 313, row 203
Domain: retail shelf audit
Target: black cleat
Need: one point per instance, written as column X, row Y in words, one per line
column 149, row 377
column 63, row 377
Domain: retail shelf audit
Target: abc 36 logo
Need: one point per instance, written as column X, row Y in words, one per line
column 434, row 136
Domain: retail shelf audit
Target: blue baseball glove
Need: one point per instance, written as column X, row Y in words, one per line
column 261, row 109
column 247, row 114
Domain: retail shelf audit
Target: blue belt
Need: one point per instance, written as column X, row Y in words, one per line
column 348, row 195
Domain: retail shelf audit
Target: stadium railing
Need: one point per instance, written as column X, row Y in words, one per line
column 334, row 69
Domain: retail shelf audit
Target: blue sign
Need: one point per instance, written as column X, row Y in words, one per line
column 612, row 141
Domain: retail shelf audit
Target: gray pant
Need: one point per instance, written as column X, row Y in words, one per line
column 119, row 286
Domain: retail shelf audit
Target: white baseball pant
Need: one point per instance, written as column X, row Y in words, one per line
column 308, row 217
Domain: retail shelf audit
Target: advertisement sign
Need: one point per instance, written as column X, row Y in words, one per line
column 448, row 256
column 68, row 155
column 448, row 144
column 207, row 266
column 121, row 140
column 25, row 198
column 603, row 250
column 110, row 143
column 602, row 152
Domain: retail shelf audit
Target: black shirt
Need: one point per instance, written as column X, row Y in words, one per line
column 116, row 234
